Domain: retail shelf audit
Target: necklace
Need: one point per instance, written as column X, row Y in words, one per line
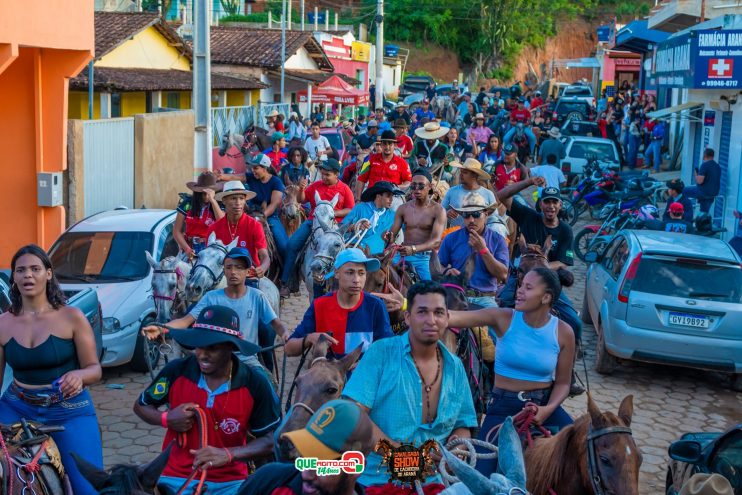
column 236, row 227
column 226, row 403
column 36, row 313
column 428, row 387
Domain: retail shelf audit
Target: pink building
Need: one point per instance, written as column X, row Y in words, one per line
column 619, row 66
column 349, row 57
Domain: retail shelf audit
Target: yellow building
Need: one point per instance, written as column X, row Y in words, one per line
column 142, row 65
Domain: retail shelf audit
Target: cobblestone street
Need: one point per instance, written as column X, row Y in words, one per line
column 668, row 401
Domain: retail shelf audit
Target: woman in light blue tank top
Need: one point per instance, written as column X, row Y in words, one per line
column 534, row 356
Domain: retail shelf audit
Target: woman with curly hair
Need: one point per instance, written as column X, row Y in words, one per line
column 51, row 349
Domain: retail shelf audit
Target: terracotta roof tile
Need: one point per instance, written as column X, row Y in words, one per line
column 114, row 28
column 114, row 80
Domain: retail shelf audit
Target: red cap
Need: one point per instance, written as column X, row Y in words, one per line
column 676, row 208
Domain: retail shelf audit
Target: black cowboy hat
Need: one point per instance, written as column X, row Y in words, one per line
column 379, row 188
column 215, row 325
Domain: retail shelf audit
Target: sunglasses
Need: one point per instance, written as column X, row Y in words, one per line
column 417, row 186
column 472, row 214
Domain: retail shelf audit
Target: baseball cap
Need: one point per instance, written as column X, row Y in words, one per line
column 676, row 208
column 509, row 148
column 372, row 123
column 337, row 427
column 240, row 253
column 550, row 193
column 262, row 160
column 330, row 164
column 277, row 136
column 354, row 255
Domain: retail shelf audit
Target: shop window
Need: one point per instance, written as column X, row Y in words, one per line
column 361, row 76
column 173, row 99
column 115, row 105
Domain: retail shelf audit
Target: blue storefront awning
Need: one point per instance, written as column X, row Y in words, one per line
column 637, row 37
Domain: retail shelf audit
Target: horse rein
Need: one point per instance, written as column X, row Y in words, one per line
column 178, row 275
column 592, row 459
column 203, row 441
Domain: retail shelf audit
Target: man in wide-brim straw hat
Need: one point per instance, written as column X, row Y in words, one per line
column 429, row 150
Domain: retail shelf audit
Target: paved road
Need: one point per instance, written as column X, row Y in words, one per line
column 667, row 402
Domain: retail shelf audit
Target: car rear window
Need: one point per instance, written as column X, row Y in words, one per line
column 578, row 92
column 603, row 152
column 335, row 140
column 565, row 107
column 690, row 280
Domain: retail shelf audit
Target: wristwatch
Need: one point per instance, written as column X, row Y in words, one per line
column 414, row 249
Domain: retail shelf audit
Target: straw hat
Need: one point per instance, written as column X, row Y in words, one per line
column 474, row 202
column 554, row 132
column 473, row 165
column 479, row 116
column 707, row 484
column 235, row 187
column 432, row 130
column 274, row 113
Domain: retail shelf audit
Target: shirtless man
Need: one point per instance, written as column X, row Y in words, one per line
column 423, row 220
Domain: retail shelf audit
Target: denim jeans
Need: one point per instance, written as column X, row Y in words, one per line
column 499, row 408
column 655, row 149
column 633, row 151
column 279, row 234
column 704, row 202
column 529, row 134
column 173, row 484
column 420, row 261
column 294, row 246
column 80, row 434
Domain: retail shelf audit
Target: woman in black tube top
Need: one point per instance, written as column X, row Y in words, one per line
column 51, row 349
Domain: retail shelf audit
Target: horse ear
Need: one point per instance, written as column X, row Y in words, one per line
column 596, row 417
column 349, row 361
column 233, row 244
column 626, row 409
column 151, row 260
column 95, row 475
column 510, row 457
column 211, row 239
column 317, row 199
column 435, row 265
column 320, row 348
column 149, row 473
column 522, row 244
column 547, row 244
column 469, row 268
column 335, row 200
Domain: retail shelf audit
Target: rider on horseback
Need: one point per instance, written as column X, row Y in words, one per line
column 269, row 192
column 374, row 214
column 384, row 166
column 220, row 411
column 197, row 212
column 521, row 114
column 429, row 151
column 352, row 316
column 277, row 153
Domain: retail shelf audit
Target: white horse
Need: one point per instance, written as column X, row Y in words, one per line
column 323, row 245
column 208, row 274
column 169, row 278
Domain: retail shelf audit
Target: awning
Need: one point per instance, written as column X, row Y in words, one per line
column 637, row 37
column 664, row 113
column 577, row 63
column 336, row 91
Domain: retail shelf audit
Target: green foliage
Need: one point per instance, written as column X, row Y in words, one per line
column 232, row 7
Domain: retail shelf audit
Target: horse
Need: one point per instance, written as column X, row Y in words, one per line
column 169, row 278
column 274, row 272
column 321, row 382
column 30, row 461
column 534, row 256
column 125, row 479
column 292, row 213
column 389, row 274
column 596, row 455
column 253, row 141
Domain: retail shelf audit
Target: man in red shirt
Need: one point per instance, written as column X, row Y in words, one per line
column 521, row 114
column 328, row 188
column 404, row 142
column 509, row 170
column 384, row 166
column 278, row 152
column 236, row 224
column 537, row 101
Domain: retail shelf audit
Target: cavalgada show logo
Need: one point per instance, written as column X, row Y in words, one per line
column 407, row 463
column 351, row 462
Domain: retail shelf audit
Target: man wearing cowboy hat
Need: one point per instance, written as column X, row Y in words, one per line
column 490, row 251
column 429, row 150
column 404, row 141
column 384, row 166
column 470, row 173
column 237, row 224
column 240, row 408
column 270, row 120
column 197, row 212
column 400, row 112
column 374, row 213
column 552, row 146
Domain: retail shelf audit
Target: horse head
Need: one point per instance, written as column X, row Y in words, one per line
column 325, row 247
column 290, row 206
column 324, row 212
column 209, row 268
column 322, row 382
column 224, row 144
column 124, row 479
column 168, row 282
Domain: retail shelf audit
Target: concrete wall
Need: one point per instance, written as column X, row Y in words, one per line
column 163, row 157
column 74, row 194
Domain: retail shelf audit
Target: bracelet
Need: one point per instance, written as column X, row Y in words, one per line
column 404, row 304
column 229, row 455
column 163, row 419
column 483, row 251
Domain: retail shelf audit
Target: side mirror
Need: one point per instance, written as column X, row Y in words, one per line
column 685, row 451
column 591, row 257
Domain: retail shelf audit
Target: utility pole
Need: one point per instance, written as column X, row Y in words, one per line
column 379, row 54
column 202, row 84
column 283, row 48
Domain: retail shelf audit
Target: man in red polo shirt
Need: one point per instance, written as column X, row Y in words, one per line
column 384, row 166
column 236, row 224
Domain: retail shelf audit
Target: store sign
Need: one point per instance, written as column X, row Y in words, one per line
column 702, row 59
column 360, row 51
column 634, row 62
column 604, row 33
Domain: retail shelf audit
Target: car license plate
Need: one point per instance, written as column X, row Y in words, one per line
column 686, row 320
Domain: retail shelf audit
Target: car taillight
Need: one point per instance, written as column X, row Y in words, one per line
column 623, row 293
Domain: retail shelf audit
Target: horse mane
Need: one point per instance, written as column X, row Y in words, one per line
column 124, row 480
column 548, row 456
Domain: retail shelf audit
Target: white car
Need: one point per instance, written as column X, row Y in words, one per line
column 106, row 252
column 581, row 92
column 579, row 149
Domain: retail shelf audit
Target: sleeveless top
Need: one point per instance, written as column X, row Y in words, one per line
column 44, row 363
column 527, row 353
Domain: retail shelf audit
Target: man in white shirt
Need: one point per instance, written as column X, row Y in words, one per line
column 317, row 146
column 551, row 174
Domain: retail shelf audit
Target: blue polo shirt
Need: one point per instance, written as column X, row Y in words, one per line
column 264, row 191
column 455, row 251
column 367, row 322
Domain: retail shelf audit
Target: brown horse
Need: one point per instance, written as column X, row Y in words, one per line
column 535, row 256
column 274, row 272
column 594, row 456
column 292, row 213
column 29, row 445
column 389, row 274
column 321, row 382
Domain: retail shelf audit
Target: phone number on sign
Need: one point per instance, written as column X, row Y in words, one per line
column 721, row 84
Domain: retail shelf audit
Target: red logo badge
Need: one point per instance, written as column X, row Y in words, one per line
column 721, row 68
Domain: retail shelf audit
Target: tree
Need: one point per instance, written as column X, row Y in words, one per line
column 231, row 7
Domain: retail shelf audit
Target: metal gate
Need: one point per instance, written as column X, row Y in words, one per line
column 723, row 159
column 108, row 158
column 230, row 119
column 266, row 108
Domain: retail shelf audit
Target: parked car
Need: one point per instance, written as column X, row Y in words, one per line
column 709, row 452
column 85, row 300
column 669, row 298
column 333, row 135
column 572, row 109
column 581, row 92
column 414, row 84
column 105, row 252
column 579, row 149
column 580, row 128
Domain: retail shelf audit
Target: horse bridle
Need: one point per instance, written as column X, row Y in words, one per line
column 178, row 275
column 215, row 279
column 327, row 261
column 592, row 461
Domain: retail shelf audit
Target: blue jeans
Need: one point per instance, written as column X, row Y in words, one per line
column 704, row 202
column 655, row 149
column 214, row 488
column 499, row 408
column 279, row 234
column 294, row 246
column 420, row 261
column 80, row 434
column 529, row 134
column 633, row 151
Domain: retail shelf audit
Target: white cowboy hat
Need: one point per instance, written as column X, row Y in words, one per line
column 235, row 187
column 554, row 132
column 474, row 202
column 274, row 113
column 707, row 484
column 473, row 165
column 432, row 130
